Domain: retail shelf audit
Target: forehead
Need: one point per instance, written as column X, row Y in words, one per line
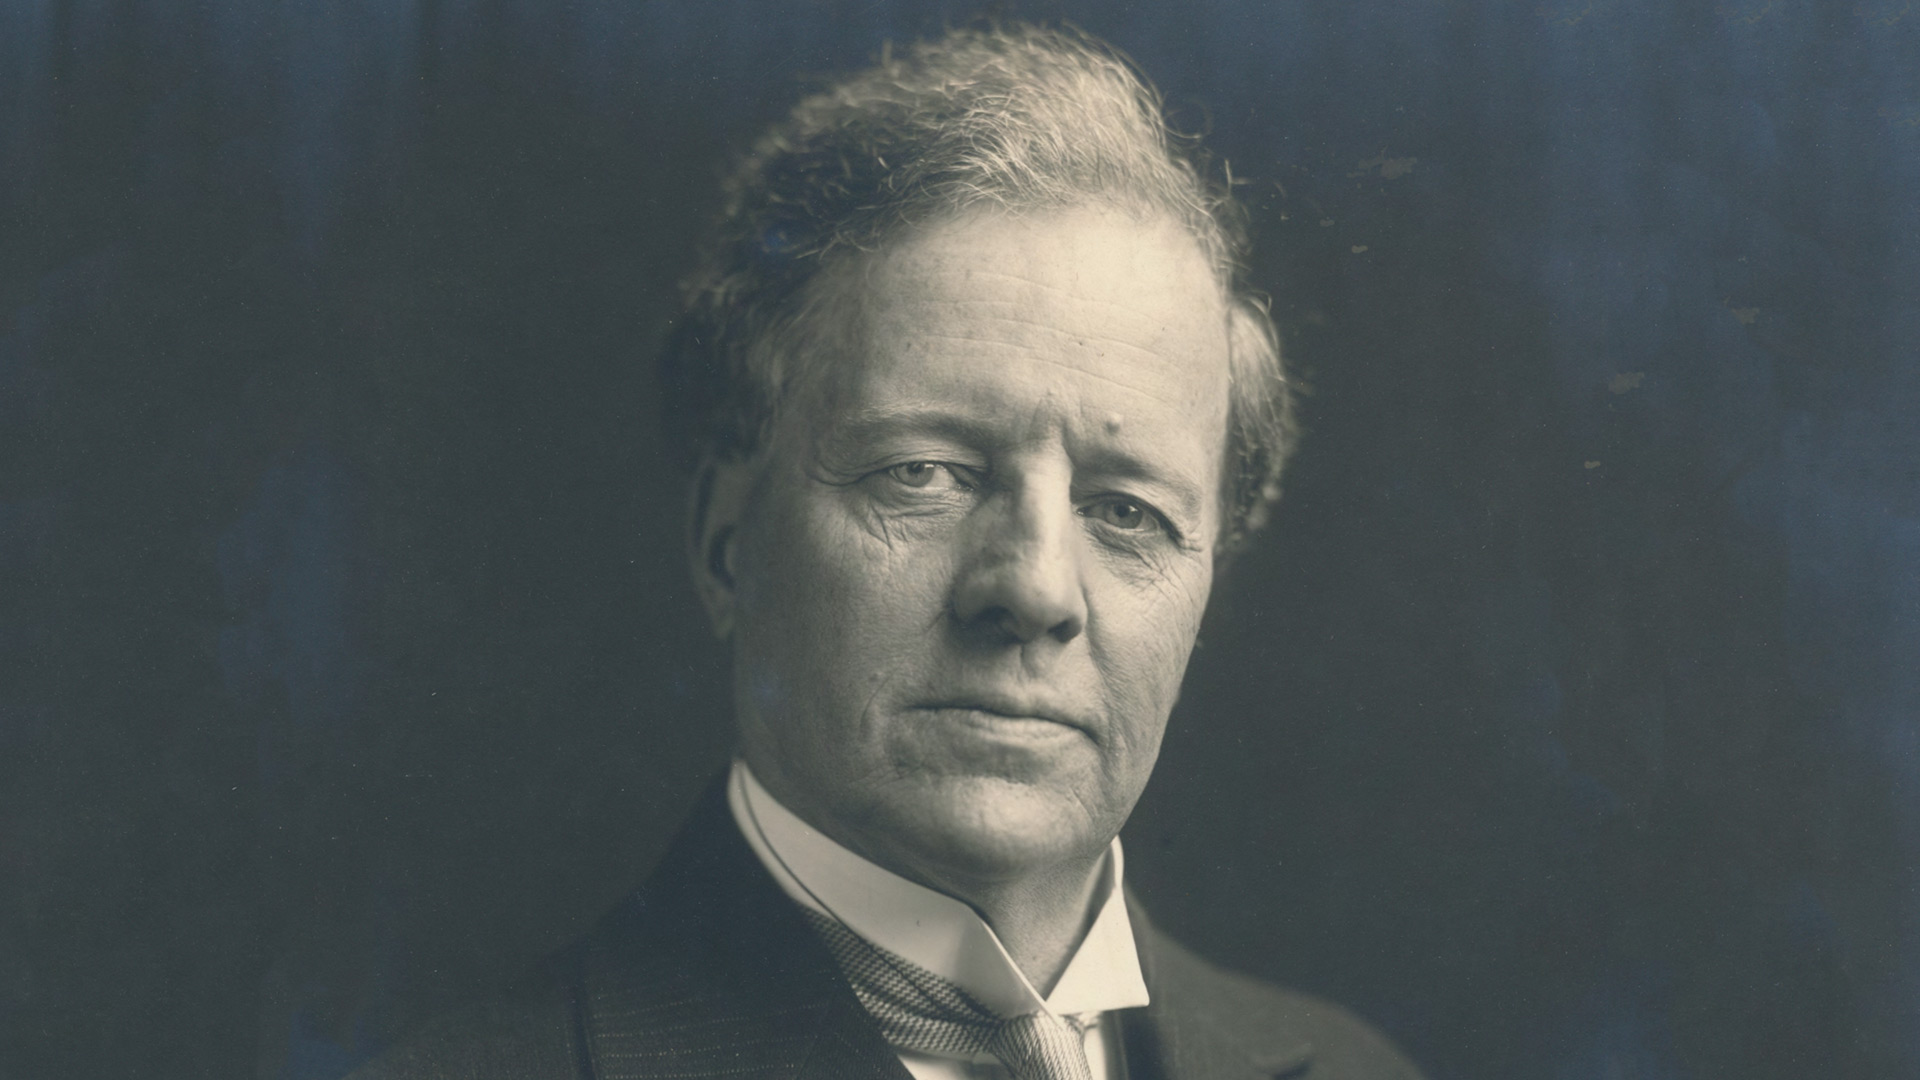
column 1097, row 318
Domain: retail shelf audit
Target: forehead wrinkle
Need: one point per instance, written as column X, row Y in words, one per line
column 1041, row 340
column 1028, row 353
column 1074, row 335
column 1024, row 324
column 907, row 283
column 1136, row 317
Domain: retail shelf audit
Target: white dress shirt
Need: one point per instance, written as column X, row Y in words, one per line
column 947, row 937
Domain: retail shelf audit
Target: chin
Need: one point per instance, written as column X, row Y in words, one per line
column 992, row 828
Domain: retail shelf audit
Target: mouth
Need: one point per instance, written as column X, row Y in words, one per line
column 1010, row 717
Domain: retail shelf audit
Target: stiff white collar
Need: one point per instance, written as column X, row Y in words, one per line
column 934, row 930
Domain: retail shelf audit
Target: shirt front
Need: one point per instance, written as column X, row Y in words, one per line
column 946, row 936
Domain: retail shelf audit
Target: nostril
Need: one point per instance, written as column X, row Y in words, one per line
column 1015, row 628
column 1012, row 628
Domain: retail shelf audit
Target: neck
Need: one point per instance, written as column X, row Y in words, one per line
column 1040, row 919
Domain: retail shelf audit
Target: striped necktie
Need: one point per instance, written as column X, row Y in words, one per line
column 919, row 1010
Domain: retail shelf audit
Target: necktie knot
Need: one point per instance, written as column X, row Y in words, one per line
column 1040, row 1046
column 920, row 1010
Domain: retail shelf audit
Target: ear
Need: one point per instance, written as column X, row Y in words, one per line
column 715, row 505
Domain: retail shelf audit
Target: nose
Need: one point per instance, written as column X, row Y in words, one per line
column 1022, row 583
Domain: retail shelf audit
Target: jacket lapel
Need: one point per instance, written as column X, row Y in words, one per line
column 710, row 971
column 1195, row 1026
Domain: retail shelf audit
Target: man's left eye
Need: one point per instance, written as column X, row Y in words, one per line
column 1123, row 513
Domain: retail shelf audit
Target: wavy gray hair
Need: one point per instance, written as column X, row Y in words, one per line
column 1019, row 116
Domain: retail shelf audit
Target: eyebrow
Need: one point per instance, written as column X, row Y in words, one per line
column 879, row 421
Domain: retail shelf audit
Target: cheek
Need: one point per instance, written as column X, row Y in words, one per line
column 854, row 566
column 829, row 595
column 1147, row 635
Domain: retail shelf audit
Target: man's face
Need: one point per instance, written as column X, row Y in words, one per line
column 969, row 569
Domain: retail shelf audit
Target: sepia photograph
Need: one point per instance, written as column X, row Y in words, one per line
column 906, row 540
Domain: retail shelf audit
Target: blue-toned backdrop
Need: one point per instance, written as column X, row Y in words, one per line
column 1567, row 724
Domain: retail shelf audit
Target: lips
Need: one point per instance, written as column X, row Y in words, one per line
column 1013, row 708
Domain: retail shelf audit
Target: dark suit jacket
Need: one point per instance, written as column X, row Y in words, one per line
column 709, row 970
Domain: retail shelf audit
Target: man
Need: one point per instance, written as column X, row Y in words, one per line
column 977, row 407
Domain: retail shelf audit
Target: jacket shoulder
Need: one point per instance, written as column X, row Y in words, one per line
column 531, row 1031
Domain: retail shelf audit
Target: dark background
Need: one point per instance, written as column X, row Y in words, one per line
column 1564, row 724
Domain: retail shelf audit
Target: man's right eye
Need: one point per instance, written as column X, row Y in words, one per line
column 924, row 474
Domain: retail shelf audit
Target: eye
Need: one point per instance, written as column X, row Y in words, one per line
column 922, row 474
column 1124, row 513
